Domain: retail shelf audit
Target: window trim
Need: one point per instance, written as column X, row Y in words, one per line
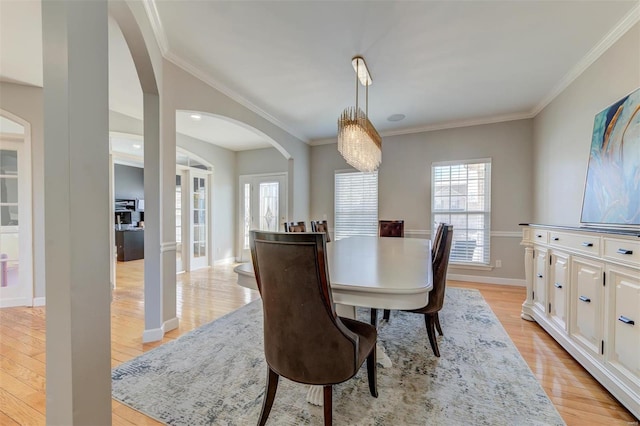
column 486, row 212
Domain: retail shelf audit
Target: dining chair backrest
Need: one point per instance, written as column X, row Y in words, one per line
column 440, row 264
column 295, row 227
column 436, row 239
column 321, row 226
column 304, row 339
column 391, row 228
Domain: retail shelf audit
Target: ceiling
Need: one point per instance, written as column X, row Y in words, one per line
column 440, row 63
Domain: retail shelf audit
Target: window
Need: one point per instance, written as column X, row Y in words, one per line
column 461, row 196
column 356, row 204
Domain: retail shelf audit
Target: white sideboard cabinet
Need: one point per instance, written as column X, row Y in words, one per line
column 583, row 288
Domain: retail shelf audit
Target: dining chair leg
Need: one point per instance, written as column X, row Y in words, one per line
column 437, row 321
column 328, row 409
column 269, row 396
column 386, row 315
column 431, row 332
column 372, row 373
column 374, row 317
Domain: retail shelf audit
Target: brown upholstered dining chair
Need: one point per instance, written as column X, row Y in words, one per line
column 436, row 296
column 295, row 227
column 321, row 226
column 387, row 228
column 304, row 339
column 391, row 228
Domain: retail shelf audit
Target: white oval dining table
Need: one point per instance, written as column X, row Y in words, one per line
column 370, row 272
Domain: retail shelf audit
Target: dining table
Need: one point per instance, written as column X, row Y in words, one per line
column 370, row 272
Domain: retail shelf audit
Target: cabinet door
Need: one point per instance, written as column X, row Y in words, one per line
column 540, row 280
column 558, row 288
column 587, row 303
column 623, row 347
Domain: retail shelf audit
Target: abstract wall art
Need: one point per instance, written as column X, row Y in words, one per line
column 612, row 189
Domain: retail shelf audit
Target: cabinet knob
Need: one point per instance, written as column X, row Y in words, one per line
column 539, row 236
column 556, row 238
column 624, row 251
column 626, row 320
column 585, row 244
column 539, row 275
column 585, row 299
column 557, row 285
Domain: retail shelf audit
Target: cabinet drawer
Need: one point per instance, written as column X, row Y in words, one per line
column 622, row 251
column 539, row 236
column 588, row 244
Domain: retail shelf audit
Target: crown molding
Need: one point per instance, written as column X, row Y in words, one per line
column 156, row 25
column 629, row 20
column 461, row 123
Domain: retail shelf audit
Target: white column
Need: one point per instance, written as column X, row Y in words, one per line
column 76, row 174
column 153, row 293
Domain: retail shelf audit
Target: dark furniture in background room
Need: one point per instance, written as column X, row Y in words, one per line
column 130, row 244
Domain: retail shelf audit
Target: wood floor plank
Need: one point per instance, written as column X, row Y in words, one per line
column 208, row 294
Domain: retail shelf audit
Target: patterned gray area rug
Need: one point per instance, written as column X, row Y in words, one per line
column 215, row 375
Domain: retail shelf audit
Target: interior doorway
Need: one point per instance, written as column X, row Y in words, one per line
column 263, row 206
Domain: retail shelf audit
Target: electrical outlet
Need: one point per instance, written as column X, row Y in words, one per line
column 498, row 263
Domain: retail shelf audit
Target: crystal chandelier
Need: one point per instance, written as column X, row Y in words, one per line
column 358, row 141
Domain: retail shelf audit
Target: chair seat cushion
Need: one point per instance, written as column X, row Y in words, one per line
column 368, row 336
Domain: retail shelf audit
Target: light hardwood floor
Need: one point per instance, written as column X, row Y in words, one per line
column 208, row 294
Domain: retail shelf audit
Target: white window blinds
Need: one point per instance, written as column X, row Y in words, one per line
column 461, row 196
column 356, row 204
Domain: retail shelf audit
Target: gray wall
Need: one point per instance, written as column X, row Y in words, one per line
column 562, row 131
column 405, row 182
column 128, row 182
column 223, row 193
column 258, row 161
column 26, row 102
column 183, row 91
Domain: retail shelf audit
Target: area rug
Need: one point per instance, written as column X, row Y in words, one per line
column 215, row 375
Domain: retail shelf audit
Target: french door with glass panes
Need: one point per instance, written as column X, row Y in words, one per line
column 199, row 230
column 16, row 278
column 263, row 206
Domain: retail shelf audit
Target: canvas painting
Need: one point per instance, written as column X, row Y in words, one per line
column 612, row 190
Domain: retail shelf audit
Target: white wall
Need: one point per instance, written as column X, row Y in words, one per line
column 223, row 192
column 562, row 131
column 405, row 182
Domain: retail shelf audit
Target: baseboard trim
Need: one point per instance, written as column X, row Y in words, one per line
column 16, row 301
column 156, row 334
column 39, row 301
column 171, row 324
column 152, row 335
column 487, row 280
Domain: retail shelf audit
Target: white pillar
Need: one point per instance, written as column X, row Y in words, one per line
column 76, row 172
column 153, row 294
